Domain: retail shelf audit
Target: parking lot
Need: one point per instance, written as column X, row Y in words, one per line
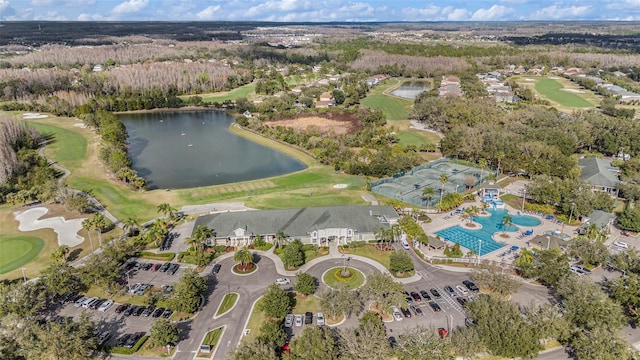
column 141, row 277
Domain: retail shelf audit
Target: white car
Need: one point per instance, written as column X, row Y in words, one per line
column 283, row 281
column 397, row 315
column 105, row 305
column 298, row 320
column 320, row 319
column 462, row 290
column 288, row 320
column 621, row 244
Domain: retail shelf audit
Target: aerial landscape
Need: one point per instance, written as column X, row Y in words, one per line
column 319, row 180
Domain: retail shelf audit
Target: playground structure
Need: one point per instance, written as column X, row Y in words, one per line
column 491, row 197
column 409, row 185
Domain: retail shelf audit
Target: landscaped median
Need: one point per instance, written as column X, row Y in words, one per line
column 228, row 302
column 209, row 344
column 374, row 252
column 343, row 278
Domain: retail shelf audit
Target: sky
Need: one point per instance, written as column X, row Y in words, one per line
column 318, row 10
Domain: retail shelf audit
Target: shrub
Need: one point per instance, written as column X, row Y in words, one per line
column 264, row 247
column 309, row 247
column 155, row 256
column 220, row 248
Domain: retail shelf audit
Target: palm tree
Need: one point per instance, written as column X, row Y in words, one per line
column 381, row 235
column 99, row 222
column 244, row 256
column 167, row 210
column 130, row 223
column 395, row 233
column 507, row 221
column 443, row 180
column 474, row 211
column 60, row 254
column 280, row 237
column 466, row 216
column 87, row 224
column 593, row 233
column 427, row 194
column 483, row 164
column 484, row 207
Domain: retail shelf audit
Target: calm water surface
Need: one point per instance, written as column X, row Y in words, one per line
column 410, row 90
column 185, row 149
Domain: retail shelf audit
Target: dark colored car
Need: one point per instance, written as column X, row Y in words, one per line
column 123, row 340
column 425, row 295
column 461, row 301
column 416, row 296
column 471, row 286
column 121, row 308
column 133, row 339
column 147, row 266
column 392, row 342
column 129, row 310
column 435, row 293
column 308, row 317
column 155, row 267
column 406, row 312
column 435, row 306
column 167, row 313
column 157, row 312
column 216, row 268
column 138, row 310
column 164, row 267
column 96, row 304
column 148, row 310
column 172, row 269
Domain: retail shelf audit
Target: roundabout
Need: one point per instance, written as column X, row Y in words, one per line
column 343, row 278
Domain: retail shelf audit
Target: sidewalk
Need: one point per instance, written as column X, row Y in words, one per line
column 334, row 253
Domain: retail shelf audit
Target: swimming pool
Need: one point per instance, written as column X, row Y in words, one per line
column 470, row 238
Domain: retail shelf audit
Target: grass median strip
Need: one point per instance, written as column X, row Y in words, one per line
column 228, row 302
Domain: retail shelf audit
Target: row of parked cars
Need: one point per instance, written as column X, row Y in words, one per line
column 168, row 267
column 146, row 311
column 297, row 320
column 92, row 303
column 432, row 296
column 129, row 340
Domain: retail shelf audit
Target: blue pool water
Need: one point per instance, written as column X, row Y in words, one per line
column 470, row 239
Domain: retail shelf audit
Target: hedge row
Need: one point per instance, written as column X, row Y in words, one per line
column 155, row 256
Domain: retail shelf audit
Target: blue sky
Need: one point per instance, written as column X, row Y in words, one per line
column 320, row 10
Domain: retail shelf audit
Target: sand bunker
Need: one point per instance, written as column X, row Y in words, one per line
column 339, row 186
column 34, row 116
column 67, row 230
column 529, row 79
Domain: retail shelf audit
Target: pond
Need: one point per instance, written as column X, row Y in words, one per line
column 411, row 89
column 185, row 149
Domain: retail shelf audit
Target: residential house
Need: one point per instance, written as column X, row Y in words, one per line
column 547, row 241
column 600, row 174
column 602, row 219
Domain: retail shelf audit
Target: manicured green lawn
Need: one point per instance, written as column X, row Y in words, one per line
column 16, row 251
column 256, row 319
column 68, row 148
column 354, row 282
column 212, row 337
column 383, row 257
column 393, row 107
column 308, row 303
column 243, row 91
column 416, row 138
column 228, row 302
column 552, row 89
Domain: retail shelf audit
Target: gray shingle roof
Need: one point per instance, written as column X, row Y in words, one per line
column 599, row 172
column 299, row 222
column 600, row 218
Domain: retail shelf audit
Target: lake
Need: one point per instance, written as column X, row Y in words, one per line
column 409, row 90
column 185, row 149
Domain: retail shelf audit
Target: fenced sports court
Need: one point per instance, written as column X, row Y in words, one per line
column 408, row 185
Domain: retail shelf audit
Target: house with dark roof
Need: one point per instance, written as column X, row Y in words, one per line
column 602, row 219
column 312, row 225
column 600, row 174
column 547, row 241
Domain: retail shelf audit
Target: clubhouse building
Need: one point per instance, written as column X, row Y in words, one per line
column 312, row 225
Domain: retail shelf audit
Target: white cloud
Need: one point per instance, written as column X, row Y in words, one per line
column 92, row 17
column 458, row 15
column 556, row 13
column 623, row 4
column 496, row 12
column 50, row 16
column 435, row 13
column 4, row 4
column 209, row 13
column 130, row 6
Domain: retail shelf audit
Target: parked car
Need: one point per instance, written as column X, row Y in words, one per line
column 417, row 310
column 320, row 319
column 129, row 310
column 155, row 267
column 621, row 244
column 216, row 268
column 157, row 312
column 288, row 320
column 462, row 290
column 450, row 290
column 308, row 318
column 94, row 303
column 416, row 296
column 462, row 301
column 138, row 310
column 148, row 310
column 434, row 306
column 283, row 281
column 133, row 340
column 80, row 301
column 121, row 308
column 86, row 301
column 425, row 295
column 164, row 267
column 173, row 269
column 122, row 340
column 392, row 342
column 103, row 337
column 471, row 286
column 147, row 266
column 397, row 315
column 406, row 312
column 298, row 320
column 105, row 305
column 167, row 313
column 435, row 293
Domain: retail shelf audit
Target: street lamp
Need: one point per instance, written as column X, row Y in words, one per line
column 24, row 277
column 524, row 197
column 570, row 216
column 129, row 282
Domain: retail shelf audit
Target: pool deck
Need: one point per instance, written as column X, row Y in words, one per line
column 439, row 222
